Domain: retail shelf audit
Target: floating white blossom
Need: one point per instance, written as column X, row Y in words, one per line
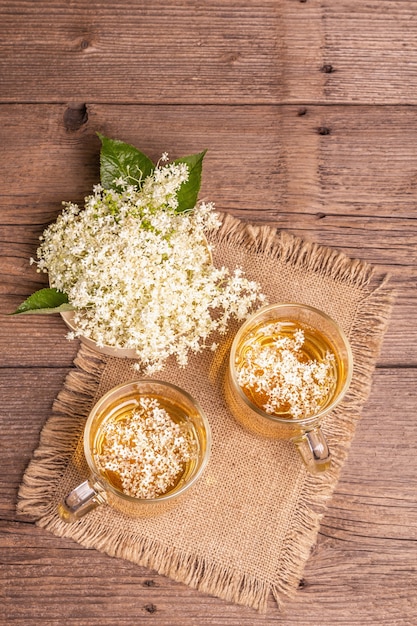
column 146, row 452
column 280, row 375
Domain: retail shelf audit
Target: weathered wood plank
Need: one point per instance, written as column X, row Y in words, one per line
column 27, row 395
column 175, row 51
column 34, row 341
column 361, row 572
column 327, row 163
column 185, row 51
column 66, row 583
column 47, row 164
column 350, row 51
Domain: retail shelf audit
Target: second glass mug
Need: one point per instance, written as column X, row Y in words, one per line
column 305, row 431
column 97, row 489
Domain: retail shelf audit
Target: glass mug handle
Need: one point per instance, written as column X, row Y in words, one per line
column 80, row 501
column 314, row 451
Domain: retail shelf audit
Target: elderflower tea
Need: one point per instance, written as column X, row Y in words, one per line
column 146, row 443
column 144, row 449
column 289, row 366
column 286, row 369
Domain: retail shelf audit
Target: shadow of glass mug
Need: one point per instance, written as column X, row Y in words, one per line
column 322, row 336
column 113, row 407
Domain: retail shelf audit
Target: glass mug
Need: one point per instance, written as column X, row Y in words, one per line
column 112, row 408
column 321, row 336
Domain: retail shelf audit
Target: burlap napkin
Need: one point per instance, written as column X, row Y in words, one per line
column 247, row 528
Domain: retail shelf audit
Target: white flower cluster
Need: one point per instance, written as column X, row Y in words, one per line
column 280, row 375
column 146, row 452
column 139, row 274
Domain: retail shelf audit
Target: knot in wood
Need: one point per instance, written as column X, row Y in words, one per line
column 327, row 68
column 75, row 116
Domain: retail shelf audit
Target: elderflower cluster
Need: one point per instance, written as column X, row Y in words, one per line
column 146, row 452
column 139, row 274
column 279, row 373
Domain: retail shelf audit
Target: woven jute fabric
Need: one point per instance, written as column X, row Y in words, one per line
column 247, row 528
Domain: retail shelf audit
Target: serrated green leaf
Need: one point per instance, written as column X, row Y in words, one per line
column 121, row 160
column 46, row 300
column 188, row 192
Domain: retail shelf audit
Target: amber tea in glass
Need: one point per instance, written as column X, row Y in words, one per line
column 118, row 422
column 290, row 364
column 112, row 414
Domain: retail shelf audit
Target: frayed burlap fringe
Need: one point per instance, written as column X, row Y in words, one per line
column 60, row 434
column 193, row 570
column 300, row 254
column 62, row 431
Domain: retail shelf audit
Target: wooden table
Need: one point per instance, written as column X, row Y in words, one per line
column 308, row 109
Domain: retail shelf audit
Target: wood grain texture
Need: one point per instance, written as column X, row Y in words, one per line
column 308, row 109
column 330, row 162
column 188, row 51
column 175, row 51
column 350, row 52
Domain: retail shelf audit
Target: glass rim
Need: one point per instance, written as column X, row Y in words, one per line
column 106, row 485
column 311, row 419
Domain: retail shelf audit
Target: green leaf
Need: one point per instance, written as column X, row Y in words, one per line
column 188, row 192
column 46, row 300
column 121, row 160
